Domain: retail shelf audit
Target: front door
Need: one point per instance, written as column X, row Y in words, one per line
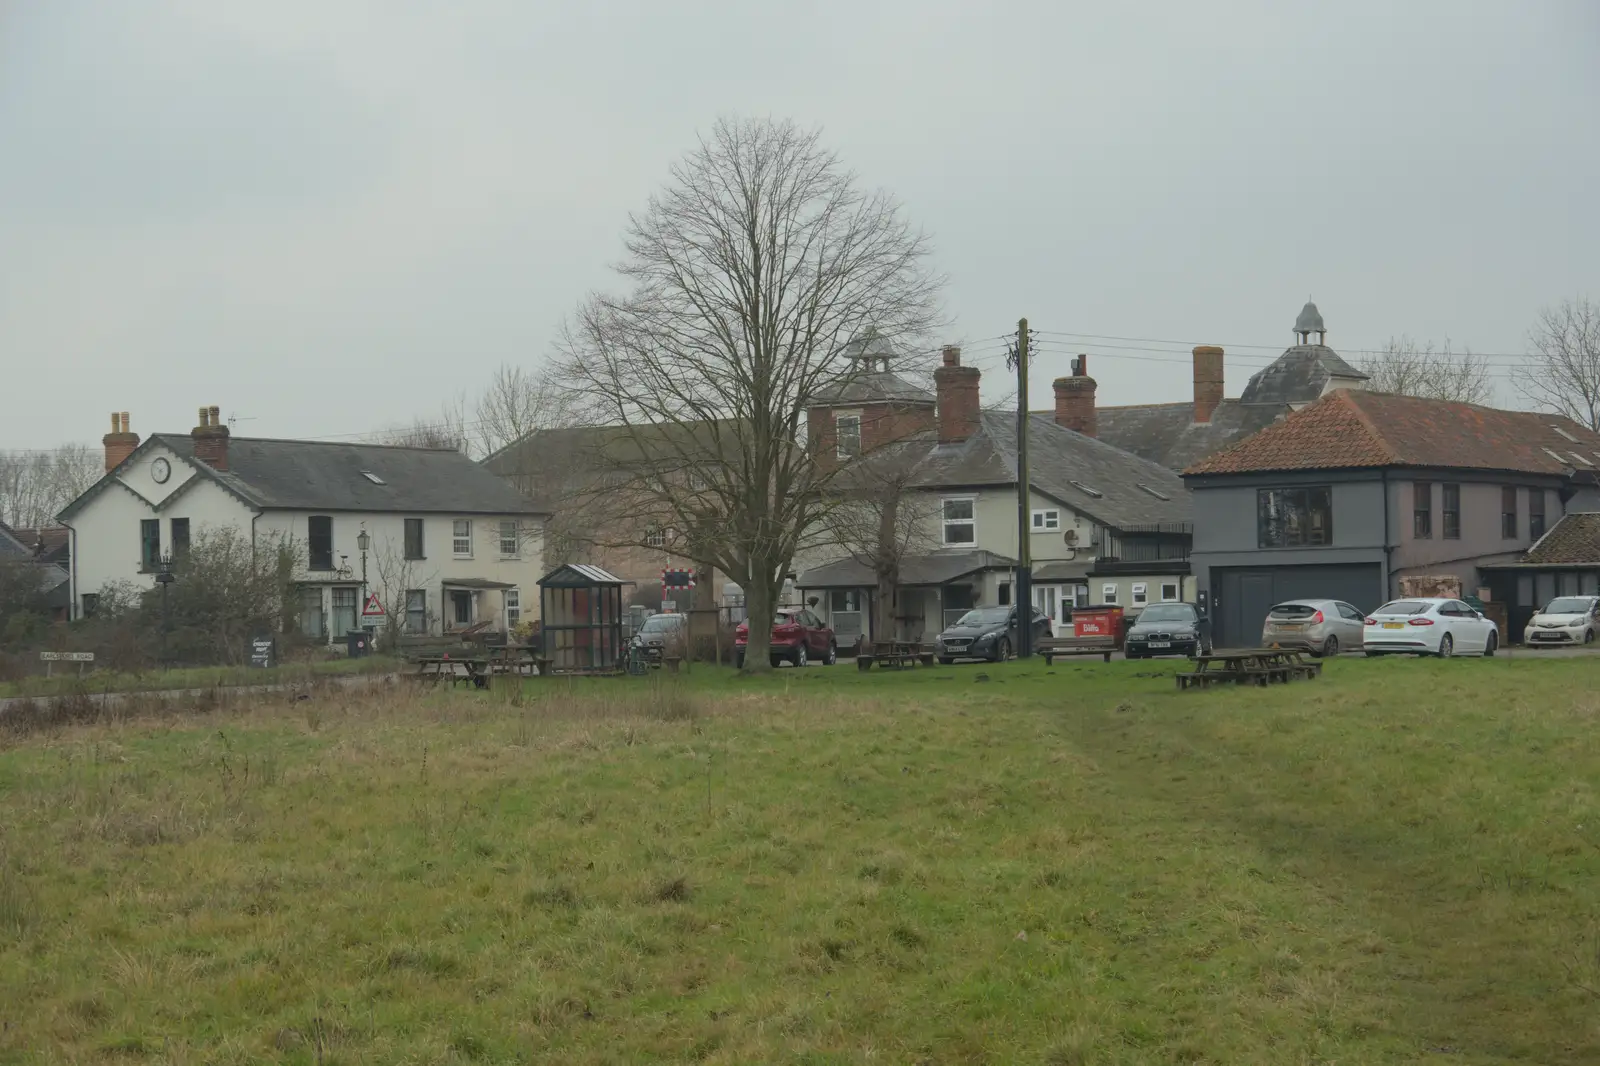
column 461, row 607
column 1050, row 599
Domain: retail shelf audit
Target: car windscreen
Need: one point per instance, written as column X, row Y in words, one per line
column 1404, row 607
column 660, row 623
column 1176, row 612
column 985, row 616
column 1569, row 605
column 1292, row 610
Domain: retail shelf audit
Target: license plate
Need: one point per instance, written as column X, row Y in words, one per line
column 1394, row 625
column 1291, row 625
column 1159, row 644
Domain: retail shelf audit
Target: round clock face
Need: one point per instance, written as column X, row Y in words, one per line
column 161, row 470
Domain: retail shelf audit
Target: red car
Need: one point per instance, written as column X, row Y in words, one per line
column 798, row 636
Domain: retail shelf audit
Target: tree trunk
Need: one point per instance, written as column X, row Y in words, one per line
column 759, row 603
column 886, row 563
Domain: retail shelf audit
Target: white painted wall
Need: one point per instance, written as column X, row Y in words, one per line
column 106, row 542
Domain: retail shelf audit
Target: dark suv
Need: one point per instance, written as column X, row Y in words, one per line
column 986, row 633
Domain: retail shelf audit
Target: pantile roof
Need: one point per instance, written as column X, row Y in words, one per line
column 1354, row 428
column 1574, row 539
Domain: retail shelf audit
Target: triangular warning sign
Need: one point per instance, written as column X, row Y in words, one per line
column 372, row 609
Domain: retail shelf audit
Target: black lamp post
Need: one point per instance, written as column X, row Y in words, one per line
column 363, row 541
column 165, row 577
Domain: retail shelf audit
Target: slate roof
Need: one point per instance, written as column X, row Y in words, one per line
column 56, row 540
column 1309, row 320
column 328, row 476
column 1354, row 428
column 872, row 386
column 1299, row 375
column 1089, row 475
column 1574, row 539
column 11, row 546
column 933, row 569
column 1166, row 433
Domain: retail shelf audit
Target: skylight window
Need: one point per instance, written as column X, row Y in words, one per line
column 1557, row 456
column 1579, row 456
column 1086, row 490
column 1153, row 492
column 374, row 478
column 1565, row 434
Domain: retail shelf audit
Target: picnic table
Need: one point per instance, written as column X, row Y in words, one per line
column 895, row 653
column 520, row 659
column 1254, row 666
column 457, row 671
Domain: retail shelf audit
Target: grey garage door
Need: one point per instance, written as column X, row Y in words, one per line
column 1242, row 597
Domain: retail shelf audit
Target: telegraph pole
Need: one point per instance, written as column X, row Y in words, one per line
column 1024, row 584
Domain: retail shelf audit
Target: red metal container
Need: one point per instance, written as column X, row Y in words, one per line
column 1098, row 622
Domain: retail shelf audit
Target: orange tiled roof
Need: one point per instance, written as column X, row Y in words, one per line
column 1353, row 428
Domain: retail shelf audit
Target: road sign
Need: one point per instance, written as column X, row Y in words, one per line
column 372, row 609
column 66, row 656
column 263, row 652
column 677, row 579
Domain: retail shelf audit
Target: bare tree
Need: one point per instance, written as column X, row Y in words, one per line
column 748, row 274
column 36, row 486
column 517, row 404
column 1563, row 373
column 882, row 518
column 448, row 430
column 1406, row 368
column 393, row 577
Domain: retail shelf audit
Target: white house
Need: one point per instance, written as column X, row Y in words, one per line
column 451, row 542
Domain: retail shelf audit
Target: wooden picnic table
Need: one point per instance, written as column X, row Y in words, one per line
column 1256, row 666
column 521, row 659
column 895, row 653
column 456, row 670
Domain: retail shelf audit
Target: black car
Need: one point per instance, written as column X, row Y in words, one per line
column 986, row 633
column 1168, row 629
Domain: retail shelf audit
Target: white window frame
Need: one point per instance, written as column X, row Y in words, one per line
column 1141, row 594
column 1080, row 596
column 655, row 537
column 1046, row 519
column 1177, row 591
column 515, row 540
column 415, row 621
column 458, row 538
column 1108, row 594
column 946, row 522
column 839, row 435
column 513, row 603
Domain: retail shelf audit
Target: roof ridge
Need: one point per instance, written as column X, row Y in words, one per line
column 321, row 443
column 1372, row 428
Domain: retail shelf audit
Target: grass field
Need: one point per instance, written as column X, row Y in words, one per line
column 1394, row 864
column 66, row 681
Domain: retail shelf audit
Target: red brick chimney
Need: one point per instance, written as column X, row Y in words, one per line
column 1075, row 399
column 211, row 439
column 1207, row 381
column 957, row 389
column 119, row 442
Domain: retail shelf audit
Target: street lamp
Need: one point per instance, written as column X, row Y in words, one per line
column 165, row 577
column 363, row 541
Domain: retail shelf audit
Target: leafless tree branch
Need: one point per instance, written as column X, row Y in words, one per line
column 1406, row 368
column 1563, row 373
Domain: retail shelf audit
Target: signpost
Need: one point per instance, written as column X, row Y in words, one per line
column 372, row 608
column 263, row 653
column 50, row 658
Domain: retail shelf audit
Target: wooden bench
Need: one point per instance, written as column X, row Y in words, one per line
column 458, row 671
column 1051, row 647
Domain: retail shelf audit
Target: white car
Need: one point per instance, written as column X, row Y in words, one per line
column 1428, row 626
column 1564, row 620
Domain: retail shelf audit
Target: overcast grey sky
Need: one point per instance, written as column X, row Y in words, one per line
column 328, row 215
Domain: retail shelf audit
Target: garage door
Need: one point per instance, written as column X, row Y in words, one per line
column 1241, row 598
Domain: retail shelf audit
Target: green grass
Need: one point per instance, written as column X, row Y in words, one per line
column 1393, row 864
column 66, row 682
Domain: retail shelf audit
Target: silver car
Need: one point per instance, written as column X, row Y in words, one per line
column 1323, row 627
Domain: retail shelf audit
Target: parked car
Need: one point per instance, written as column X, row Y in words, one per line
column 1564, row 620
column 1322, row 627
column 1429, row 626
column 986, row 633
column 1168, row 629
column 798, row 636
column 661, row 636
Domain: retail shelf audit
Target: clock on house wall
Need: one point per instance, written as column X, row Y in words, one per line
column 161, row 470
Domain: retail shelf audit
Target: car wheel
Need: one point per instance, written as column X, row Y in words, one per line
column 1330, row 647
column 800, row 658
column 1002, row 650
column 1490, row 646
column 945, row 660
column 1447, row 646
column 1588, row 636
column 833, row 655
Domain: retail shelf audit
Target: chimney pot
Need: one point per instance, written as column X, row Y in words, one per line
column 957, row 390
column 119, row 443
column 211, row 439
column 1208, row 381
